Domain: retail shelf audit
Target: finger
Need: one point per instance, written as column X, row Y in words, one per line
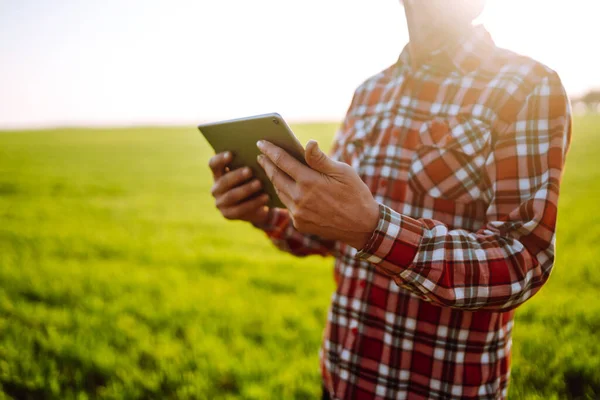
column 286, row 200
column 318, row 160
column 283, row 160
column 230, row 180
column 280, row 180
column 218, row 162
column 240, row 210
column 238, row 194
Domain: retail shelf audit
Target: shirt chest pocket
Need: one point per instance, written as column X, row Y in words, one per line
column 449, row 160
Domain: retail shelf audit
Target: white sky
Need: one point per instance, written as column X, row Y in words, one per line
column 148, row 61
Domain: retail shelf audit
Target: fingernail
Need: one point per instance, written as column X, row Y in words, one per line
column 259, row 158
column 246, row 171
column 227, row 155
column 315, row 149
column 259, row 144
column 256, row 184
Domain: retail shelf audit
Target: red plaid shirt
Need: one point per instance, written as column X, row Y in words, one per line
column 465, row 154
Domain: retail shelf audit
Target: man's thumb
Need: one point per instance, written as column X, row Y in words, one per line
column 316, row 159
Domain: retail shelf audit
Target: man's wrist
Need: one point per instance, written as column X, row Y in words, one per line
column 369, row 219
column 264, row 222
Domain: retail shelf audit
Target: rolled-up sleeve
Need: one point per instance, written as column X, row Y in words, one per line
column 501, row 265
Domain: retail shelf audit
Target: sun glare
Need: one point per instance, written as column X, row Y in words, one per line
column 206, row 60
column 553, row 32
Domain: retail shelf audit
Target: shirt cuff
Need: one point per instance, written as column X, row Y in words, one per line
column 395, row 241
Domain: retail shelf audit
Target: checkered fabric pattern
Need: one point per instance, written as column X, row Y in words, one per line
column 464, row 154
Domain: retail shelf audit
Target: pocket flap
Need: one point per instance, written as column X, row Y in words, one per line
column 467, row 135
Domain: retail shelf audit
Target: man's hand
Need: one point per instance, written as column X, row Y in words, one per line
column 328, row 199
column 232, row 191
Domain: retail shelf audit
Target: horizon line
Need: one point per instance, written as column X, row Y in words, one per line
column 139, row 124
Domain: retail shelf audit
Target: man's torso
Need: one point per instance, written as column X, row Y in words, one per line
column 419, row 138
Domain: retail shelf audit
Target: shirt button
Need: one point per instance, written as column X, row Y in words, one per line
column 354, row 327
column 383, row 183
column 362, row 283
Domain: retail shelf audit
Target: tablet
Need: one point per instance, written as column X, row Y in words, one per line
column 239, row 136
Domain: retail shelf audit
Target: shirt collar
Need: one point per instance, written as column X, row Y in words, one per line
column 463, row 54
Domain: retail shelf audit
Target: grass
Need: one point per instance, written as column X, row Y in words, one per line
column 118, row 278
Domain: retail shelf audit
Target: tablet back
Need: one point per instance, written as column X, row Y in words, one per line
column 240, row 136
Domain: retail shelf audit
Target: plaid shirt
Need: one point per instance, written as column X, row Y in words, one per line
column 465, row 154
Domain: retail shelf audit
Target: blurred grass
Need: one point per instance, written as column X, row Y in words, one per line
column 118, row 278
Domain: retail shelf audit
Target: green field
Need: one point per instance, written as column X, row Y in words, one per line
column 118, row 278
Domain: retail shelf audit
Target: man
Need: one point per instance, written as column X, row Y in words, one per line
column 439, row 204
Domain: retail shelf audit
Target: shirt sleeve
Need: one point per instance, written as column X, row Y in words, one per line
column 281, row 231
column 508, row 260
